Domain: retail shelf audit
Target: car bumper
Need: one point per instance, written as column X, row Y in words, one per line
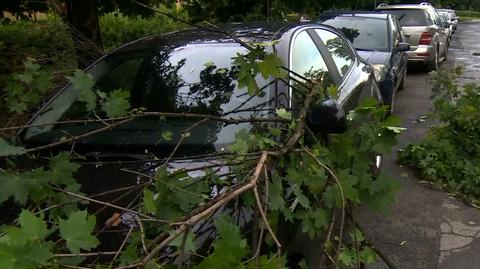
column 422, row 54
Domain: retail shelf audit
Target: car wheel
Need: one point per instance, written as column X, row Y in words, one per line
column 433, row 66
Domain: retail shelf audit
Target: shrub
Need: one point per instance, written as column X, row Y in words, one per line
column 118, row 29
column 46, row 41
column 449, row 156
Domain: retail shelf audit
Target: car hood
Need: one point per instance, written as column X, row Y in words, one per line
column 374, row 57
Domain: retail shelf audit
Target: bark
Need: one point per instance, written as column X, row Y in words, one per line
column 82, row 18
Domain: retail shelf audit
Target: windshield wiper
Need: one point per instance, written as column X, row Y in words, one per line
column 362, row 49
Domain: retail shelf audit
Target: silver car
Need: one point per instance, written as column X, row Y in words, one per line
column 424, row 31
column 446, row 24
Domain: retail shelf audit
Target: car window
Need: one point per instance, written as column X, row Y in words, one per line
column 340, row 51
column 364, row 33
column 409, row 17
column 306, row 60
column 187, row 79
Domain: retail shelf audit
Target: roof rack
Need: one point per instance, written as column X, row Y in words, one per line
column 383, row 5
column 425, row 4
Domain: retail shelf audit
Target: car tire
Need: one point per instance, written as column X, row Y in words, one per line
column 433, row 66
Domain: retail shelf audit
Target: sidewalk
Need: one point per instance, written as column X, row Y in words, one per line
column 426, row 228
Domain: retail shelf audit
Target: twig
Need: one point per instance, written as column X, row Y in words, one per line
column 195, row 218
column 163, row 182
column 339, row 186
column 182, row 249
column 105, row 203
column 267, row 224
column 78, row 137
column 105, row 253
column 180, row 141
column 122, row 245
column 142, row 234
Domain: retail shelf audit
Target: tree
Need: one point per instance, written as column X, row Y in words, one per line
column 82, row 17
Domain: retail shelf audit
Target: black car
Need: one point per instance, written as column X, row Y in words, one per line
column 379, row 39
column 191, row 72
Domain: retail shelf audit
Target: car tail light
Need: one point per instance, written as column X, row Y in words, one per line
column 425, row 39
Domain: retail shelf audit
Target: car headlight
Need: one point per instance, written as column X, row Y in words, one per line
column 379, row 71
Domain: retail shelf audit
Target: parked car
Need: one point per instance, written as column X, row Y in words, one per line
column 191, row 72
column 452, row 18
column 379, row 39
column 448, row 27
column 424, row 31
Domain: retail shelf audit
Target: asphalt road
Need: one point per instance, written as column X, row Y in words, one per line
column 427, row 228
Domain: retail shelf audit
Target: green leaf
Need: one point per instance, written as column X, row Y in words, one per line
column 24, row 256
column 77, row 231
column 13, row 185
column 241, row 144
column 275, row 194
column 129, row 255
column 357, row 235
column 63, row 169
column 347, row 256
column 271, row 66
column 8, row 150
column 283, row 113
column 167, row 135
column 84, row 82
column 331, row 197
column 190, row 245
column 32, row 227
column 117, row 103
column 148, row 202
column 368, row 255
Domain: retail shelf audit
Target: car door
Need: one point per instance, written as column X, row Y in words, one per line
column 399, row 59
column 323, row 50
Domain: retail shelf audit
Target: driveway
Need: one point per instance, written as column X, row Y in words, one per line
column 427, row 228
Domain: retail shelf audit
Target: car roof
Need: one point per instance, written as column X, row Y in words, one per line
column 404, row 6
column 247, row 32
column 354, row 13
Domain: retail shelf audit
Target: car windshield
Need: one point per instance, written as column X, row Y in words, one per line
column 364, row 33
column 186, row 79
column 409, row 17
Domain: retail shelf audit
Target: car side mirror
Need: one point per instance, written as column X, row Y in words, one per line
column 327, row 117
column 400, row 47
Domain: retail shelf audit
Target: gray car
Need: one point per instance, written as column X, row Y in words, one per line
column 424, row 31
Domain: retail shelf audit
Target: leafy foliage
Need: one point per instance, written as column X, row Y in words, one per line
column 449, row 156
column 76, row 230
column 299, row 188
column 26, row 89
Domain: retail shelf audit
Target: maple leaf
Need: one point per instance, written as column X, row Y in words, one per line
column 116, row 104
column 77, row 231
column 8, row 150
column 84, row 82
column 271, row 66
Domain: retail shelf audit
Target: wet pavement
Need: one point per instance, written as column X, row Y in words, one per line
column 466, row 47
column 427, row 228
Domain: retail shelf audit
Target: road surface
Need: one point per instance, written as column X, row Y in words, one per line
column 427, row 228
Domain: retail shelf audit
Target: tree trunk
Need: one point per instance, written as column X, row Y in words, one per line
column 82, row 18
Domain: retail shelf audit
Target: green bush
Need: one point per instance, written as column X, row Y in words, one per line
column 450, row 154
column 467, row 13
column 118, row 29
column 48, row 42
